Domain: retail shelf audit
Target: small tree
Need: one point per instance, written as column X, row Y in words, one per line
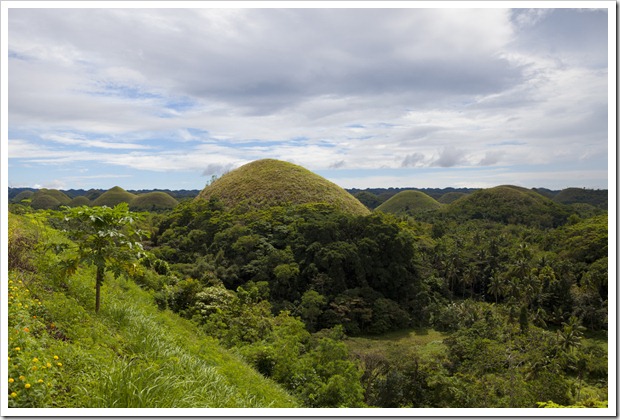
column 106, row 238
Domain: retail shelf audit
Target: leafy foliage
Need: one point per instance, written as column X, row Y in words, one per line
column 129, row 355
column 105, row 238
column 506, row 289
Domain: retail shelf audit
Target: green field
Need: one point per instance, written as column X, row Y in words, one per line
column 424, row 340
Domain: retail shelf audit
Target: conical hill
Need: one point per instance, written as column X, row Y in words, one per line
column 114, row 196
column 509, row 204
column 268, row 182
column 409, row 202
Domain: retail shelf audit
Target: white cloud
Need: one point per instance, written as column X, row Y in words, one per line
column 73, row 140
column 185, row 90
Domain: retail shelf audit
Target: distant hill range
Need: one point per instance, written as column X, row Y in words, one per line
column 370, row 197
column 151, row 200
column 374, row 197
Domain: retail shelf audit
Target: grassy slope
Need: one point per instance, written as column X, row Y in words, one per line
column 508, row 204
column 597, row 198
column 130, row 354
column 114, row 196
column 424, row 341
column 270, row 182
column 48, row 199
column 58, row 195
column 407, row 202
column 79, row 201
column 450, row 197
column 153, row 200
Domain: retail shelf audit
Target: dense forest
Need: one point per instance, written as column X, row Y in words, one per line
column 492, row 298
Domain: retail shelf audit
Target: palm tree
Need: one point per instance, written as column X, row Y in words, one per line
column 496, row 286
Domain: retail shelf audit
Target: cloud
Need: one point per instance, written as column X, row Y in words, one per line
column 449, row 157
column 412, row 160
column 217, row 169
column 491, row 158
column 77, row 140
column 175, row 90
column 337, row 165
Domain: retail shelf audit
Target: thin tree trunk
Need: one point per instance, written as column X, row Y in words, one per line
column 98, row 284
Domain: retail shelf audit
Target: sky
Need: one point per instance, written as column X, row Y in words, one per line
column 367, row 97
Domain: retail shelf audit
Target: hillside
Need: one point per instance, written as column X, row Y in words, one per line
column 451, row 197
column 509, row 204
column 80, row 200
column 23, row 195
column 269, row 182
column 596, row 198
column 130, row 354
column 48, row 199
column 410, row 203
column 153, row 201
column 113, row 196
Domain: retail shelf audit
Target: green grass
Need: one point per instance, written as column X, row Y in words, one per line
column 58, row 195
column 596, row 198
column 24, row 195
column 509, row 204
column 156, row 200
column 450, row 197
column 409, row 202
column 48, row 199
column 269, row 182
column 130, row 354
column 80, row 200
column 424, row 341
column 114, row 196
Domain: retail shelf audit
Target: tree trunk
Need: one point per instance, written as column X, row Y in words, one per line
column 98, row 284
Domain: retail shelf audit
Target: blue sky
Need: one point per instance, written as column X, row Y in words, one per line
column 409, row 97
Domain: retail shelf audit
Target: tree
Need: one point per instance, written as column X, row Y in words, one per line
column 311, row 307
column 106, row 238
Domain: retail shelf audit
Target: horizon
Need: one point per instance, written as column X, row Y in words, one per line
column 154, row 98
column 86, row 189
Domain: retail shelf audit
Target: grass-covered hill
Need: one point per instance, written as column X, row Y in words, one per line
column 129, row 354
column 409, row 202
column 114, row 196
column 268, row 182
column 451, row 197
column 48, row 199
column 80, row 200
column 509, row 204
column 596, row 198
column 23, row 195
column 153, row 201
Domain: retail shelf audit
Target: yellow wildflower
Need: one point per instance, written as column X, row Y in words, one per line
column 40, row 381
column 22, row 378
column 35, row 360
column 11, row 380
column 27, row 386
column 17, row 348
column 48, row 364
column 59, row 364
column 55, row 357
column 13, row 394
